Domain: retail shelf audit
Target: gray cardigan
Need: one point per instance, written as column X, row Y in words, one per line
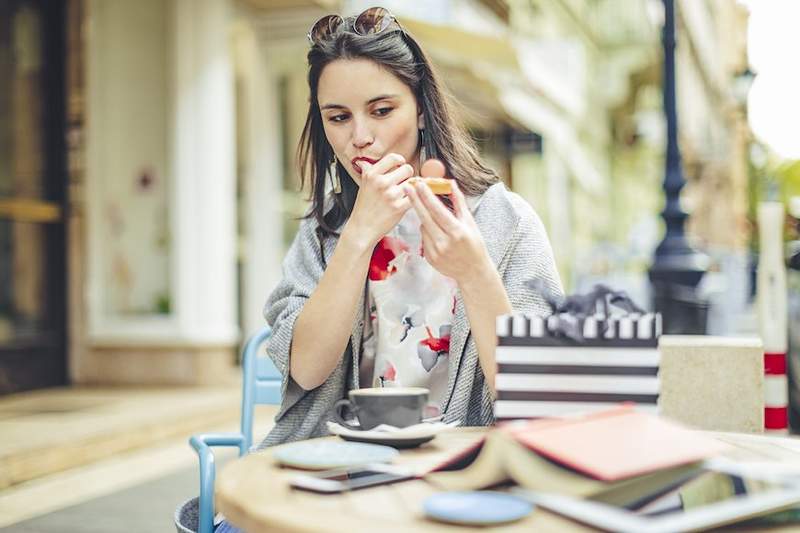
column 518, row 246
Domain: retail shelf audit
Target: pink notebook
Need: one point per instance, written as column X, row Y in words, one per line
column 617, row 443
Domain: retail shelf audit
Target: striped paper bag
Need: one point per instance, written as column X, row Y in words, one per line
column 543, row 372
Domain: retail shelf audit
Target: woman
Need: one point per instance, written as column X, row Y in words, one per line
column 385, row 284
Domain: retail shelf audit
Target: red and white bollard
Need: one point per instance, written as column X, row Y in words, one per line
column 772, row 310
column 776, row 393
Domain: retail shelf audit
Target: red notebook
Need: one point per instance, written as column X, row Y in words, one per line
column 617, row 443
column 609, row 445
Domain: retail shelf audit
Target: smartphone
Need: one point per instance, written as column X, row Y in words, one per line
column 344, row 479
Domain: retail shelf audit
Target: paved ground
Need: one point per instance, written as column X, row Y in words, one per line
column 108, row 460
column 54, row 430
column 144, row 508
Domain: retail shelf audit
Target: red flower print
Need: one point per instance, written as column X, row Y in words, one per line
column 384, row 253
column 389, row 375
column 430, row 349
column 436, row 344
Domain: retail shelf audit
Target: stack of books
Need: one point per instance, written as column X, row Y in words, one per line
column 616, row 455
column 621, row 469
column 562, row 364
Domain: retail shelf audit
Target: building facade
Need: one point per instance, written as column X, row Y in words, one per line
column 148, row 186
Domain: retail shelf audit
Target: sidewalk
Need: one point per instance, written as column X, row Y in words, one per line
column 52, row 430
column 63, row 446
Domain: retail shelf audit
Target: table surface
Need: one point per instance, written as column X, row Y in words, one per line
column 253, row 492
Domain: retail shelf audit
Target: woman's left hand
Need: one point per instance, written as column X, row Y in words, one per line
column 451, row 241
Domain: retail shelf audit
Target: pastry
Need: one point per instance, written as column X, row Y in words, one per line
column 440, row 186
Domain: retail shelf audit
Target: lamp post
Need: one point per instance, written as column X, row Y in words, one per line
column 677, row 268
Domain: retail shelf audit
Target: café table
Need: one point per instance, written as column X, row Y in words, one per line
column 253, row 492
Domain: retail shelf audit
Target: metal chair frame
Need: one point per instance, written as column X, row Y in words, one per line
column 261, row 384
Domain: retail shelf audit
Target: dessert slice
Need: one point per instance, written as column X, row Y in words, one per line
column 440, row 186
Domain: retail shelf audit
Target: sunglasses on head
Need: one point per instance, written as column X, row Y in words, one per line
column 371, row 21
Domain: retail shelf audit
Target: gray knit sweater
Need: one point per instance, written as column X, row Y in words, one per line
column 518, row 246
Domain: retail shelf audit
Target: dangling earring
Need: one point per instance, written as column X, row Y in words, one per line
column 333, row 172
column 423, row 152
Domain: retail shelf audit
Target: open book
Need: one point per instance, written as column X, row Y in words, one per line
column 618, row 456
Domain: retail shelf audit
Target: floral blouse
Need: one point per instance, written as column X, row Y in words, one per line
column 411, row 310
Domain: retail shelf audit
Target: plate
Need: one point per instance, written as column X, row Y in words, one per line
column 324, row 455
column 476, row 508
column 409, row 437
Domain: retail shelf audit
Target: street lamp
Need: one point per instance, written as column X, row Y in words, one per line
column 677, row 268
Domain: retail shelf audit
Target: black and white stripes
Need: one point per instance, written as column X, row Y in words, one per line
column 542, row 372
column 532, row 330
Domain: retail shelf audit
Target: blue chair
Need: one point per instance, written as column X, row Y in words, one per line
column 261, row 384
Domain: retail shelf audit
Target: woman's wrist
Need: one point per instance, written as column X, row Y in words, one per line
column 477, row 279
column 358, row 240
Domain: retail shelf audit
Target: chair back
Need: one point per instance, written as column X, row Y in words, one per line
column 261, row 383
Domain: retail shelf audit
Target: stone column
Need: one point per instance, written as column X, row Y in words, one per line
column 203, row 194
column 260, row 173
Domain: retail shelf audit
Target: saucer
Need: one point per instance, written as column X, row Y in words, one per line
column 477, row 508
column 409, row 437
column 324, row 455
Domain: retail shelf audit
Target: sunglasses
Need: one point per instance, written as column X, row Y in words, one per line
column 370, row 22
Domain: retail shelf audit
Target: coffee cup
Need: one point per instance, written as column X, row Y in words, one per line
column 395, row 406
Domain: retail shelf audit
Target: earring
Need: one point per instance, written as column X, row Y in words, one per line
column 333, row 172
column 423, row 152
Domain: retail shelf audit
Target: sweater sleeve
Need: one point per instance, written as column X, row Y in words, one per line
column 530, row 257
column 302, row 269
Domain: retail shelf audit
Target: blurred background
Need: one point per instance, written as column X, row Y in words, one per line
column 148, row 187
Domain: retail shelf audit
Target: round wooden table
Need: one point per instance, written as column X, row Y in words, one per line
column 253, row 492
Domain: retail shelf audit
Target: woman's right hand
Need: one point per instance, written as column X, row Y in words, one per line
column 381, row 201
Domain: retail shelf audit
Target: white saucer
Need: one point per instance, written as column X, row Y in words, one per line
column 324, row 454
column 408, row 437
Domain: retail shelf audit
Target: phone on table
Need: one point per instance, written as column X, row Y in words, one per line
column 344, row 479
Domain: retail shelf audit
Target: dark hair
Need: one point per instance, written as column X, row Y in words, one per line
column 445, row 137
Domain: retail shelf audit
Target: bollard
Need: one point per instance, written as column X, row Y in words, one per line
column 772, row 311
